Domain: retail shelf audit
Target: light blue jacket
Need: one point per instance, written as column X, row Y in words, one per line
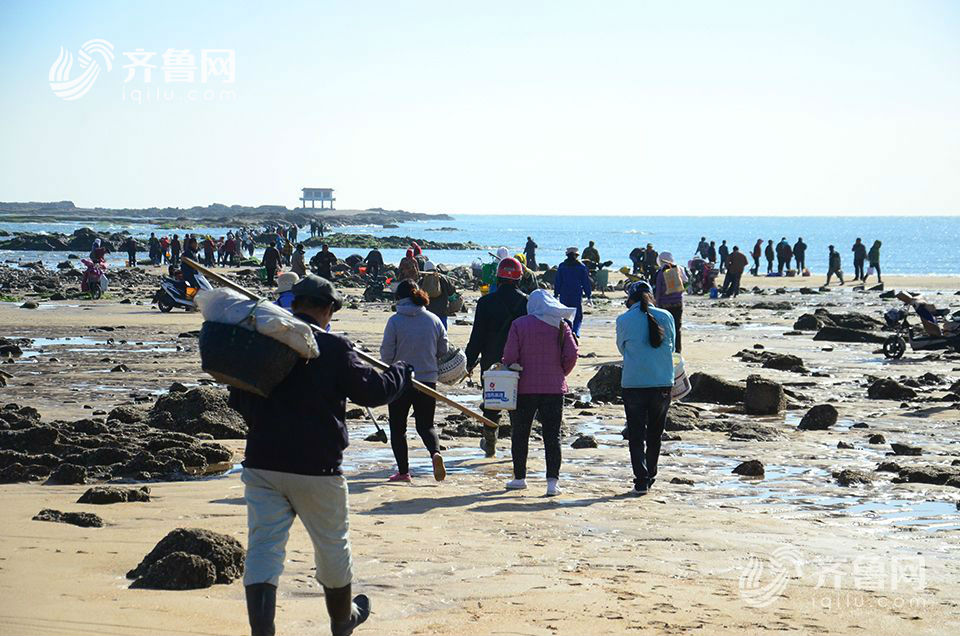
column 645, row 366
column 415, row 336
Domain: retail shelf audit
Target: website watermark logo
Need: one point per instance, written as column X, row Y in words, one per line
column 763, row 580
column 89, row 59
column 150, row 76
column 861, row 583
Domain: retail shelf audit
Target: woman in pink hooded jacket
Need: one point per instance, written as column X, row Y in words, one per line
column 543, row 344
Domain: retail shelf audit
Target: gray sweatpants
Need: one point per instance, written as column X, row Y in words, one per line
column 274, row 499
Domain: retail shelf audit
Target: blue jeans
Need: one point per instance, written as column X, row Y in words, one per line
column 646, row 411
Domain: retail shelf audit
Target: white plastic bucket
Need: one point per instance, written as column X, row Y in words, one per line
column 681, row 383
column 500, row 390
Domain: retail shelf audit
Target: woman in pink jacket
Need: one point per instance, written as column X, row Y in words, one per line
column 542, row 343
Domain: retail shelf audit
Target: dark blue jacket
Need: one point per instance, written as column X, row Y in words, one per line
column 301, row 427
column 572, row 282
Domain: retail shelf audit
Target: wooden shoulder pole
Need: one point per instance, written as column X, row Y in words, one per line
column 419, row 386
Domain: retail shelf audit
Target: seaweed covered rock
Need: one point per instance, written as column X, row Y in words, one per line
column 710, row 388
column 604, row 386
column 199, row 410
column 819, row 418
column 102, row 495
column 889, row 389
column 178, row 571
column 222, row 551
column 763, row 397
column 82, row 519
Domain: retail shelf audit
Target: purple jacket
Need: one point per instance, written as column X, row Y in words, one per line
column 659, row 292
column 547, row 355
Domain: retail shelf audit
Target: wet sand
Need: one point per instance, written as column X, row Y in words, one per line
column 467, row 557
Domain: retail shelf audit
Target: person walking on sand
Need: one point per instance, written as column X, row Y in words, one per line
column 859, row 256
column 543, row 345
column 131, row 247
column 417, row 337
column 491, row 325
column 175, row 250
column 800, row 254
column 530, row 251
column 645, row 338
column 271, row 263
column 572, row 284
column 292, row 465
column 874, row 259
column 731, row 282
column 833, row 267
column 439, row 289
column 409, row 267
column 769, row 253
column 297, row 263
column 724, row 252
column 668, row 291
column 703, row 248
column 757, row 252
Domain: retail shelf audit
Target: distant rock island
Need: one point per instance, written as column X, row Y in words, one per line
column 216, row 213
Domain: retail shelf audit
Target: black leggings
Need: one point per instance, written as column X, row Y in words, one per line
column 550, row 409
column 424, row 408
column 677, row 312
column 646, row 411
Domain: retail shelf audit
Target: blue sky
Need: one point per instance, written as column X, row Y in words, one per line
column 596, row 107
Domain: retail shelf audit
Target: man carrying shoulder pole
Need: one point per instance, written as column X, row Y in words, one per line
column 292, row 468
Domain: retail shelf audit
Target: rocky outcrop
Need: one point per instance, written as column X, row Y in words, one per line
column 604, row 386
column 82, row 519
column 750, row 468
column 763, row 397
column 844, row 334
column 714, row 390
column 819, row 418
column 222, row 552
column 103, row 495
column 199, row 410
column 889, row 389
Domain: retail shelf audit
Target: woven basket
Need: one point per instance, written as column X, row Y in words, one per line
column 244, row 359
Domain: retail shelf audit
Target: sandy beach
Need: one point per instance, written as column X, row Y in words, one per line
column 465, row 556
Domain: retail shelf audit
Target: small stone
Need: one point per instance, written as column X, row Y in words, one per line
column 877, row 438
column 819, row 418
column 82, row 519
column 849, row 477
column 844, row 445
column 29, row 305
column 750, row 468
column 584, row 441
column 905, row 449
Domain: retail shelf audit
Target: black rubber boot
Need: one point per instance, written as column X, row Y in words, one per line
column 261, row 608
column 345, row 613
column 488, row 443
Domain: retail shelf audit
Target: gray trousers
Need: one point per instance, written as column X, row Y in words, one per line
column 274, row 499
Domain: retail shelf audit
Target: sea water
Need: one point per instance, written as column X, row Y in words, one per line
column 916, row 245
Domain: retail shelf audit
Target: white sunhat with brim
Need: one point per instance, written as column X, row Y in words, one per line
column 286, row 281
column 572, row 250
column 665, row 257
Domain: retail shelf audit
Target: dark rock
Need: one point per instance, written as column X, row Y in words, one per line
column 888, row 389
column 905, row 449
column 178, row 571
column 604, row 386
column 82, row 519
column 120, row 368
column 844, row 334
column 29, row 305
column 750, row 468
column 808, row 322
column 753, row 432
column 69, row 474
column 773, row 306
column 199, row 410
column 888, row 467
column 819, row 418
column 714, row 390
column 937, row 475
column 877, row 438
column 682, row 481
column 584, row 441
column 763, row 397
column 223, row 551
column 681, row 417
column 101, row 495
column 848, row 477
column 127, row 414
column 844, row 445
column 177, row 387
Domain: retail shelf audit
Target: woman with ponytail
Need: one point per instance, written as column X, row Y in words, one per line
column 417, row 337
column 646, row 338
